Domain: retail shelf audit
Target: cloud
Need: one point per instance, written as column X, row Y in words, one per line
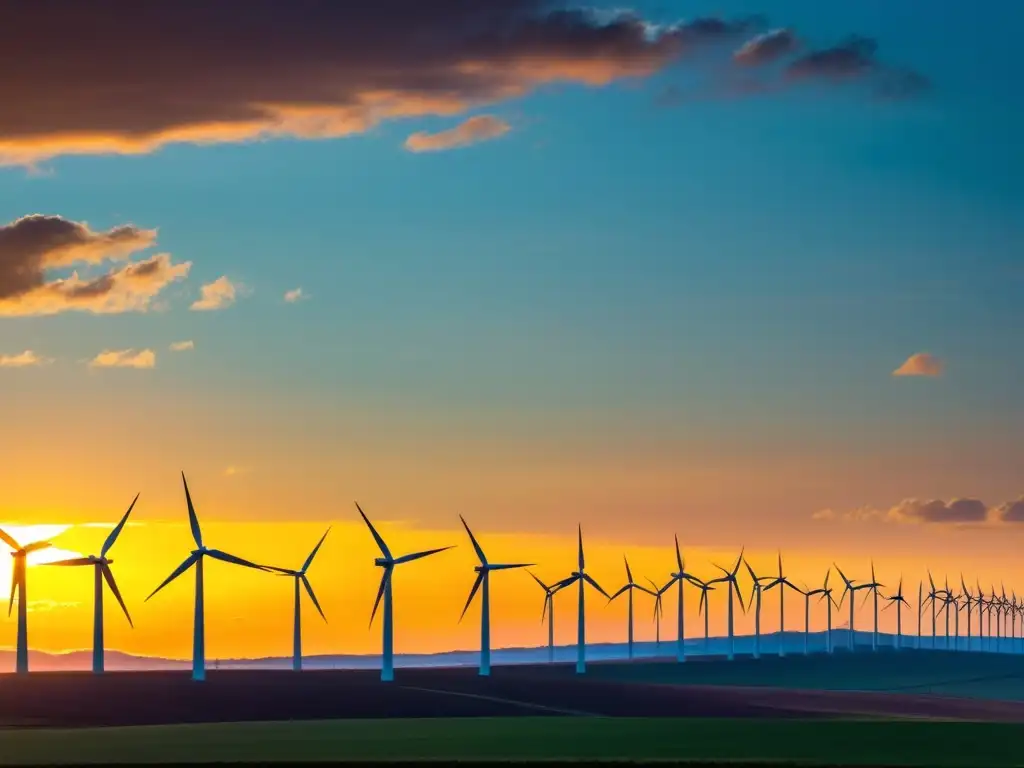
column 921, row 364
column 33, row 247
column 766, row 48
column 1011, row 511
column 471, row 131
column 294, row 295
column 233, row 471
column 124, row 358
column 182, row 346
column 35, row 606
column 219, row 294
column 195, row 72
column 25, row 359
column 854, row 59
column 964, row 511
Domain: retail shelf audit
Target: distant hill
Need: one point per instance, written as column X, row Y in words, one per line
column 794, row 643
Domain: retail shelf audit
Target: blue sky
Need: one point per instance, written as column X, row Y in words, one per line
column 745, row 271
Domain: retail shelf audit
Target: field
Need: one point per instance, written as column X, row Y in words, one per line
column 864, row 709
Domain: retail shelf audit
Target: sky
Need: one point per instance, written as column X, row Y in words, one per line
column 745, row 272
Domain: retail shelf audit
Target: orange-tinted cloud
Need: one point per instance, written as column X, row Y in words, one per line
column 294, row 295
column 936, row 511
column 26, row 359
column 148, row 75
column 35, row 246
column 124, row 358
column 219, row 294
column 921, row 364
column 471, row 131
column 182, row 346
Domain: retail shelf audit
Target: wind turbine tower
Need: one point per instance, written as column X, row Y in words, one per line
column 730, row 579
column 899, row 601
column 782, row 582
column 628, row 589
column 302, row 581
column 19, row 584
column 549, row 611
column 581, row 577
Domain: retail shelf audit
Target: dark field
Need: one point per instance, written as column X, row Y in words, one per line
column 890, row 685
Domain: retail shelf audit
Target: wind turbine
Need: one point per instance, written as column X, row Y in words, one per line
column 946, row 595
column 932, row 596
column 581, row 577
column 704, row 604
column 549, row 611
column 873, row 590
column 755, row 594
column 899, row 601
column 681, row 577
column 387, row 562
column 196, row 559
column 300, row 579
column 483, row 578
column 825, row 593
column 969, row 601
column 101, row 572
column 782, row 582
column 658, row 592
column 850, row 588
column 628, row 588
column 920, row 608
column 18, row 583
column 730, row 578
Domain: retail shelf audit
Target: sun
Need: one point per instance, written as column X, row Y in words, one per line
column 26, row 534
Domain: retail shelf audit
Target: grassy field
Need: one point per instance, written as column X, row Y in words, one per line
column 842, row 742
column 936, row 672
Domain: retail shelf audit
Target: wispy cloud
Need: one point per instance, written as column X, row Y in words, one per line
column 921, row 364
column 35, row 247
column 124, row 358
column 110, row 524
column 471, row 131
column 963, row 511
column 294, row 295
column 182, row 346
column 219, row 294
column 234, row 471
column 26, row 359
column 37, row 606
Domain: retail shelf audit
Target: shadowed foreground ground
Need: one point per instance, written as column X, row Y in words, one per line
column 836, row 742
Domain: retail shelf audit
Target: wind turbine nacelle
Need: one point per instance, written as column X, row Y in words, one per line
column 481, row 568
column 382, row 562
column 200, row 551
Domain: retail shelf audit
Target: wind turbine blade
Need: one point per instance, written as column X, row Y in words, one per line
column 9, row 541
column 309, row 560
column 655, row 595
column 418, row 555
column 544, row 610
column 827, row 574
column 739, row 596
column 594, row 584
column 736, row 568
column 579, row 530
column 189, row 562
column 376, row 536
column 193, row 521
column 117, row 529
column 843, row 575
column 621, row 590
column 476, row 545
column 117, row 593
column 867, row 594
column 508, row 566
column 565, row 583
column 629, row 573
column 750, row 571
column 703, row 597
column 72, row 561
column 312, row 596
column 14, row 587
column 679, row 557
column 380, row 592
column 472, row 593
column 218, row 554
column 543, row 586
column 35, row 546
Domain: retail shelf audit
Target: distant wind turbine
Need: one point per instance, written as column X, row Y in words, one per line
column 628, row 589
column 300, row 579
column 755, row 597
column 730, row 579
column 932, row 597
column 782, row 582
column 581, row 577
column 850, row 588
column 680, row 577
column 826, row 594
column 969, row 602
column 18, row 583
column 658, row 592
column 920, row 609
column 483, row 578
column 899, row 601
column 101, row 572
column 704, row 605
column 549, row 611
column 196, row 559
column 387, row 562
column 872, row 588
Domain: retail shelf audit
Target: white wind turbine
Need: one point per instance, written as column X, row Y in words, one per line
column 872, row 588
column 681, row 577
column 581, row 577
column 483, row 578
column 704, row 605
column 969, row 602
column 101, row 571
column 899, row 601
column 782, row 582
column 658, row 592
column 387, row 563
column 851, row 589
column 755, row 596
column 196, row 559
column 549, row 611
column 628, row 588
column 18, row 584
column 826, row 594
column 302, row 581
column 730, row 578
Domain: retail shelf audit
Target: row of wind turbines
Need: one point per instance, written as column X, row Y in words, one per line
column 941, row 600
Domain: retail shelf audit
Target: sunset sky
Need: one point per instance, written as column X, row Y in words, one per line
column 746, row 272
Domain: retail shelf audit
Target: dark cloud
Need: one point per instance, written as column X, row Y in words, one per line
column 855, row 59
column 129, row 77
column 1012, row 511
column 33, row 247
column 938, row 511
column 767, row 48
